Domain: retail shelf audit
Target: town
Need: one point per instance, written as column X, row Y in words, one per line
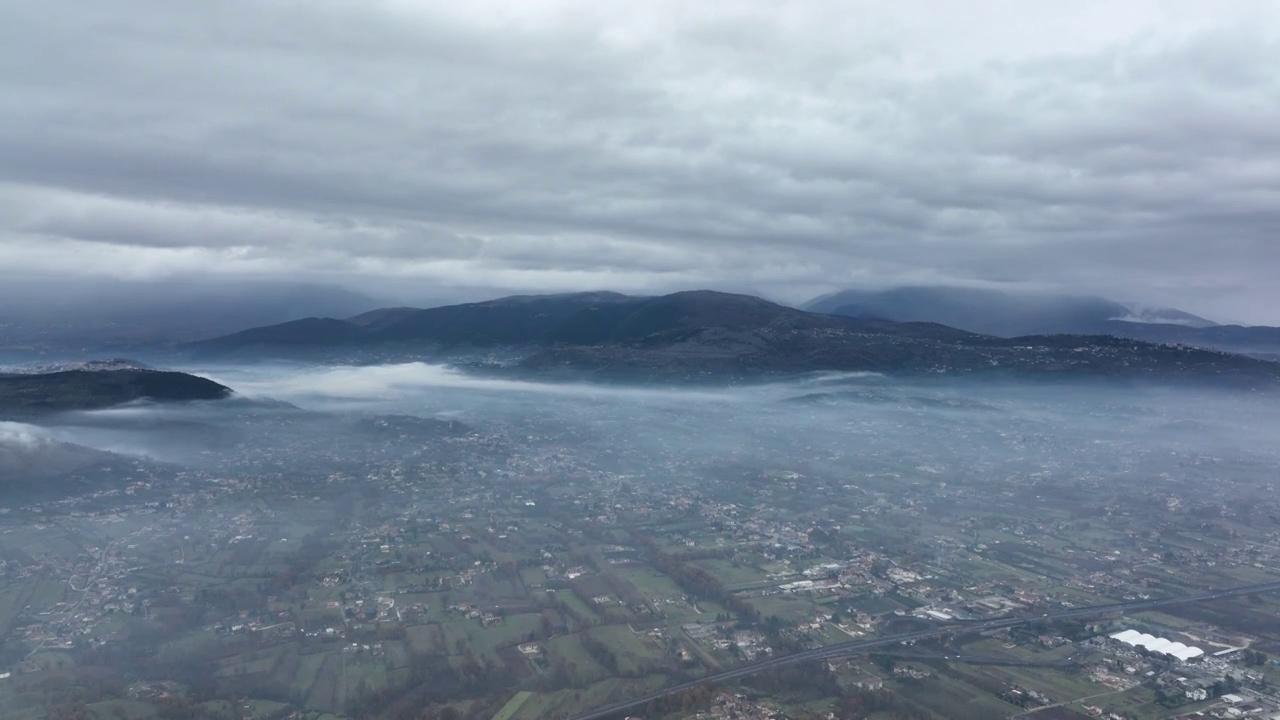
column 549, row 564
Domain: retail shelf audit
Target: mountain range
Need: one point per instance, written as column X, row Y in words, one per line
column 705, row 333
column 1008, row 314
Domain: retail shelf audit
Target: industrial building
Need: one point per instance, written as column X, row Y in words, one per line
column 1161, row 646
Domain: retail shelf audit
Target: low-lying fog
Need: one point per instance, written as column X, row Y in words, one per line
column 847, row 423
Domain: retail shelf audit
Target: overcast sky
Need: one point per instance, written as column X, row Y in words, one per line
column 1126, row 148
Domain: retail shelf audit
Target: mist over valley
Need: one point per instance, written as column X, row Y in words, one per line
column 324, row 505
column 568, row 360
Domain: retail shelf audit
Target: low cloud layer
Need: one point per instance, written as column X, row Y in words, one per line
column 420, row 387
column 786, row 149
column 21, row 435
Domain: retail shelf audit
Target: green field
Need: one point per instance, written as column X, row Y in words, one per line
column 952, row 699
column 513, row 706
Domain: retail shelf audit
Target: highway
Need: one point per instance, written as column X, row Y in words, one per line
column 857, row 647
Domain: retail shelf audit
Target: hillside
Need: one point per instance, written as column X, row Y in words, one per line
column 38, row 468
column 705, row 333
column 995, row 312
column 901, row 349
column 23, row 396
column 523, row 321
column 1008, row 314
column 1259, row 340
column 304, row 332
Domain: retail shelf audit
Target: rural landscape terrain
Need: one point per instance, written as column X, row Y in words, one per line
column 663, row 360
column 640, row 508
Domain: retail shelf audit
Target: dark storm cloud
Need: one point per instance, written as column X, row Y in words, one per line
column 784, row 148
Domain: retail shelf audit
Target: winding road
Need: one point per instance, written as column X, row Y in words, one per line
column 857, row 647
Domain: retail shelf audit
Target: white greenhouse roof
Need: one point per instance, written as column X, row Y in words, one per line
column 1163, row 646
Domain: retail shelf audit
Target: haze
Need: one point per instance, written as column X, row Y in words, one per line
column 296, row 474
column 589, row 360
column 819, row 416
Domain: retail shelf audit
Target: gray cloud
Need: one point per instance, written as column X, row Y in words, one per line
column 783, row 148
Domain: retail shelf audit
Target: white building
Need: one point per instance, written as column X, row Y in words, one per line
column 1160, row 646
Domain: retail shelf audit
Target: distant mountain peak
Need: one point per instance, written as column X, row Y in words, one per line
column 705, row 333
column 997, row 312
column 1007, row 314
column 585, row 296
column 567, row 318
column 1163, row 316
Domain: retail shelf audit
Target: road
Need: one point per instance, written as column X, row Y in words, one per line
column 1035, row 710
column 981, row 660
column 857, row 647
column 84, row 592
